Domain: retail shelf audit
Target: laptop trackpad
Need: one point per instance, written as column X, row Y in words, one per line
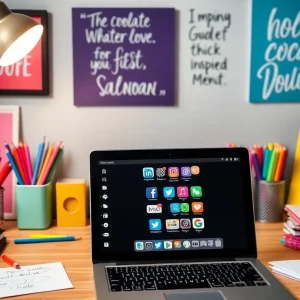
column 210, row 295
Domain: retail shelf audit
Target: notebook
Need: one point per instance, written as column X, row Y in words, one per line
column 288, row 268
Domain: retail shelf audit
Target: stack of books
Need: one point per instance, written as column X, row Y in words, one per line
column 2, row 240
column 292, row 225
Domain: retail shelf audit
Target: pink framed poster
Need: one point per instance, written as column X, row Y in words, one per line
column 9, row 132
column 30, row 75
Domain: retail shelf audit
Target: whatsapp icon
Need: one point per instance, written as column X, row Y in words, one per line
column 184, row 207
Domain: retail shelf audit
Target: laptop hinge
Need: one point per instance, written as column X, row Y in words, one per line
column 150, row 262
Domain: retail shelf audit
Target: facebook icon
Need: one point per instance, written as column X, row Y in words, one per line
column 151, row 192
column 148, row 172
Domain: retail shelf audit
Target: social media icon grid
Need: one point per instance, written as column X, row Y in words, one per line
column 179, row 244
column 172, row 172
column 170, row 193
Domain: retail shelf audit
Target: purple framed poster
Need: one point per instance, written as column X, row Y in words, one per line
column 124, row 56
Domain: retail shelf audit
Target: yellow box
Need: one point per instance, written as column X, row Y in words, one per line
column 71, row 202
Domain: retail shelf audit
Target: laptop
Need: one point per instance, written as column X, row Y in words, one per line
column 175, row 224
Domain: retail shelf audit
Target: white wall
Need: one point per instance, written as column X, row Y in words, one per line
column 203, row 117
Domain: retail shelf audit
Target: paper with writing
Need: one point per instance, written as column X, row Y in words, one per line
column 33, row 279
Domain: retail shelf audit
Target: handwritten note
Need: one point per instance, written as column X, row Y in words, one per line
column 207, row 34
column 33, row 279
column 275, row 61
column 124, row 56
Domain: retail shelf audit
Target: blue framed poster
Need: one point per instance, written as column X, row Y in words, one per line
column 275, row 51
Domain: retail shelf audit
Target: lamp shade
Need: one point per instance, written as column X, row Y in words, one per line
column 19, row 34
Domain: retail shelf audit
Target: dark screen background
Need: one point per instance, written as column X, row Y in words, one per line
column 222, row 189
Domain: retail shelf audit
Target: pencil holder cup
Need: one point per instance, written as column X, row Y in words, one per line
column 269, row 201
column 34, row 206
column 1, row 205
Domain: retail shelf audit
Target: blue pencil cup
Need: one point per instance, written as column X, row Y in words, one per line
column 34, row 206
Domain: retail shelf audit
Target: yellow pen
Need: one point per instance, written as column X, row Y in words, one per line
column 45, row 235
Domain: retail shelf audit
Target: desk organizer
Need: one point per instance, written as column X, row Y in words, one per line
column 269, row 200
column 34, row 206
column 71, row 202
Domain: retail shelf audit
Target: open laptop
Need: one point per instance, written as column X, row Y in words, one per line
column 176, row 224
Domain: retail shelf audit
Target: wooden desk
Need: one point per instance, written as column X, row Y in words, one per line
column 76, row 257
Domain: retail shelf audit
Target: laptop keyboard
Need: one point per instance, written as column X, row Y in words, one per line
column 189, row 276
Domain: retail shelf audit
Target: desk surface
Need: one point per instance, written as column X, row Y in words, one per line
column 76, row 257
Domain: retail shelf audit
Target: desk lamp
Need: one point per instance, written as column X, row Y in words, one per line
column 18, row 35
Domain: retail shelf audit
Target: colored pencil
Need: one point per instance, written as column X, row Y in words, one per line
column 56, row 162
column 7, row 146
column 23, row 154
column 28, row 161
column 38, row 162
column 22, row 168
column 14, row 167
column 6, row 169
column 51, row 162
column 46, row 240
column 17, row 161
column 43, row 160
column 45, row 164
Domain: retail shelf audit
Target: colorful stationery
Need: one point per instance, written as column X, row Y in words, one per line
column 45, row 164
column 46, row 240
column 45, row 235
column 19, row 160
column 38, row 162
column 22, row 165
column 256, row 165
column 56, row 162
column 51, row 162
column 269, row 161
column 28, row 161
column 10, row 261
column 45, row 152
column 14, row 167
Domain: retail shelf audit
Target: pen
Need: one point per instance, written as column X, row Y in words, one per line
column 10, row 261
column 46, row 240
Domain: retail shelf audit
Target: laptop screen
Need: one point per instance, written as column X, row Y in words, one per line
column 163, row 204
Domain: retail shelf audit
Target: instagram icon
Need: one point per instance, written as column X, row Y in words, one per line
column 173, row 172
